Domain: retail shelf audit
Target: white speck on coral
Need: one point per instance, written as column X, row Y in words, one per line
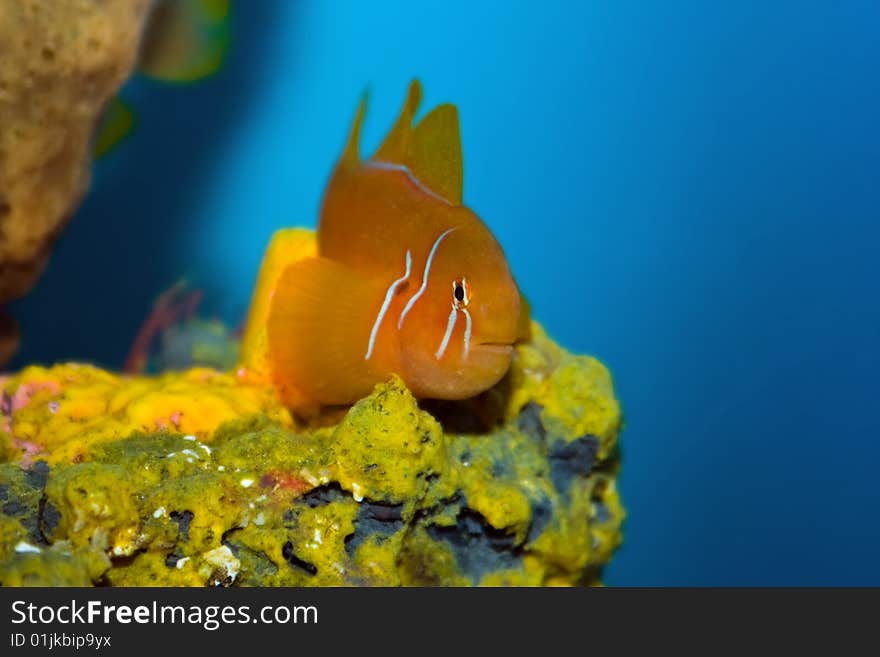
column 261, row 498
column 53, row 407
column 158, row 513
column 180, row 562
column 356, row 492
column 260, row 520
column 251, row 505
column 24, row 546
column 318, row 536
column 189, row 459
column 222, row 557
column 189, row 437
column 170, row 455
column 205, row 447
column 191, row 453
column 221, row 468
column 309, row 477
column 247, row 483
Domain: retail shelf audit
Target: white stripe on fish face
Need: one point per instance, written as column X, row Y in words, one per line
column 467, row 332
column 386, row 303
column 425, row 275
column 450, row 325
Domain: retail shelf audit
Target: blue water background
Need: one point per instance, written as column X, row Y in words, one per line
column 688, row 190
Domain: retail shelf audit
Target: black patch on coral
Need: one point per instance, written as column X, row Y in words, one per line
column 529, row 421
column 291, row 558
column 49, row 518
column 14, row 508
column 184, row 520
column 323, row 495
column 38, row 475
column 172, row 559
column 374, row 520
column 256, row 565
column 4, row 493
column 542, row 512
column 601, row 512
column 502, row 466
column 478, row 547
column 571, row 460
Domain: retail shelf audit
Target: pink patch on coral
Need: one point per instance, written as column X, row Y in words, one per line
column 30, row 449
column 26, row 391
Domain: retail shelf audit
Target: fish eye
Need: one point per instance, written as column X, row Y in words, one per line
column 460, row 293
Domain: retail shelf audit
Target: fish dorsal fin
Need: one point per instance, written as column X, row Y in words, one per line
column 396, row 147
column 431, row 150
column 351, row 155
column 435, row 153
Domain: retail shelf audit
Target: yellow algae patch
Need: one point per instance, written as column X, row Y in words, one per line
column 388, row 423
column 575, row 392
column 95, row 506
column 58, row 413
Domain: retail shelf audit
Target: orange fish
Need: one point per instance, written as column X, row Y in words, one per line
column 407, row 280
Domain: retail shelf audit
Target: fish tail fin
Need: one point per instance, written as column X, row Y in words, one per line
column 318, row 332
column 431, row 150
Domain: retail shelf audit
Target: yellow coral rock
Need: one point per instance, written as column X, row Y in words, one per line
column 57, row 413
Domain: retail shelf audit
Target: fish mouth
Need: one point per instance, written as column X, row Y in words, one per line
column 503, row 348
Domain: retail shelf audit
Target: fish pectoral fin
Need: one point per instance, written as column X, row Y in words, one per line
column 431, row 150
column 318, row 329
